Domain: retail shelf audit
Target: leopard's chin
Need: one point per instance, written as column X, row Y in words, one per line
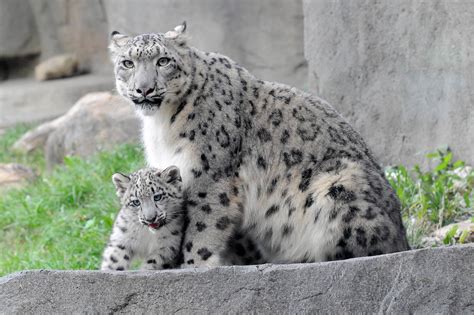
column 147, row 109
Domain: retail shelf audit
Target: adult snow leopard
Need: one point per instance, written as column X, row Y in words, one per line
column 279, row 165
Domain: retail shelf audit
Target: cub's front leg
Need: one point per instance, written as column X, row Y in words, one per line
column 164, row 252
column 214, row 211
column 118, row 254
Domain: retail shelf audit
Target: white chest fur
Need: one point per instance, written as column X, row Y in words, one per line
column 164, row 148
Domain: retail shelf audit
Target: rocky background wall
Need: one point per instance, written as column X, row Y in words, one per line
column 401, row 72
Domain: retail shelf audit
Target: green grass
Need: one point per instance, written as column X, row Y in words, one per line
column 62, row 220
column 7, row 155
column 435, row 198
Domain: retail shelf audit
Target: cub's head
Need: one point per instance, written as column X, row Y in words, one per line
column 151, row 69
column 154, row 195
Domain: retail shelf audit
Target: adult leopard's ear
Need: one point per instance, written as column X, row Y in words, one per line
column 178, row 35
column 121, row 183
column 171, row 175
column 117, row 41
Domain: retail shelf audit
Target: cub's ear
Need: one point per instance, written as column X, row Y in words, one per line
column 121, row 183
column 178, row 34
column 117, row 41
column 171, row 175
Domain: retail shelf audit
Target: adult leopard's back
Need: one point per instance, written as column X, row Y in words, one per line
column 276, row 164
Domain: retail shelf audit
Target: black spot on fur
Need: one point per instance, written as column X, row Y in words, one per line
column 189, row 246
column 369, row 214
column 204, row 253
column 284, row 136
column 190, row 262
column 201, row 226
column 293, row 157
column 276, row 117
column 206, row 208
column 205, row 162
column 361, row 237
column 264, row 135
column 223, row 223
column 113, row 259
column 305, row 179
column 271, row 211
column 309, row 201
column 350, row 214
column 151, row 261
column 340, row 193
column 347, row 232
column 224, row 200
column 202, row 194
column 286, row 230
column 261, row 162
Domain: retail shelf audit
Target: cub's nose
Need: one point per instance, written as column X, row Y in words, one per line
column 145, row 91
column 149, row 220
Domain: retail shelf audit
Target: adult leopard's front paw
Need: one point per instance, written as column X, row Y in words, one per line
column 205, row 260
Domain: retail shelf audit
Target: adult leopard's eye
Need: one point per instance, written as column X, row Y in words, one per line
column 135, row 203
column 158, row 197
column 127, row 64
column 163, row 61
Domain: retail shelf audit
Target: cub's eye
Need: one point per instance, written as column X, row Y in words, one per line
column 163, row 61
column 135, row 203
column 127, row 64
column 158, row 197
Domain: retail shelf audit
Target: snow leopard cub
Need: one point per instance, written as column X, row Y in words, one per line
column 150, row 223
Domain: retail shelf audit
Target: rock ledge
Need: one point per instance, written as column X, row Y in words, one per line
column 422, row 281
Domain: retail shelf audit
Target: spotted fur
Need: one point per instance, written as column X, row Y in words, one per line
column 260, row 159
column 150, row 223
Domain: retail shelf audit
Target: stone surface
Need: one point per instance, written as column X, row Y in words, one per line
column 97, row 121
column 18, row 31
column 26, row 100
column 264, row 36
column 14, row 175
column 428, row 281
column 61, row 66
column 402, row 72
column 78, row 27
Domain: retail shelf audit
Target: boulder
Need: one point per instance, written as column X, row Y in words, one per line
column 264, row 36
column 56, row 67
column 18, row 31
column 97, row 121
column 400, row 71
column 427, row 281
column 14, row 175
column 27, row 100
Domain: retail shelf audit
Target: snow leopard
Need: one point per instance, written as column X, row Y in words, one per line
column 259, row 159
column 150, row 223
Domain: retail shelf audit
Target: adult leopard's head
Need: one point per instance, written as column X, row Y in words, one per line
column 151, row 69
column 154, row 196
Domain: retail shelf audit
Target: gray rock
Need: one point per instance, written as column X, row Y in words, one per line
column 401, row 72
column 26, row 100
column 264, row 36
column 14, row 175
column 78, row 27
column 61, row 66
column 428, row 281
column 18, row 31
column 97, row 121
